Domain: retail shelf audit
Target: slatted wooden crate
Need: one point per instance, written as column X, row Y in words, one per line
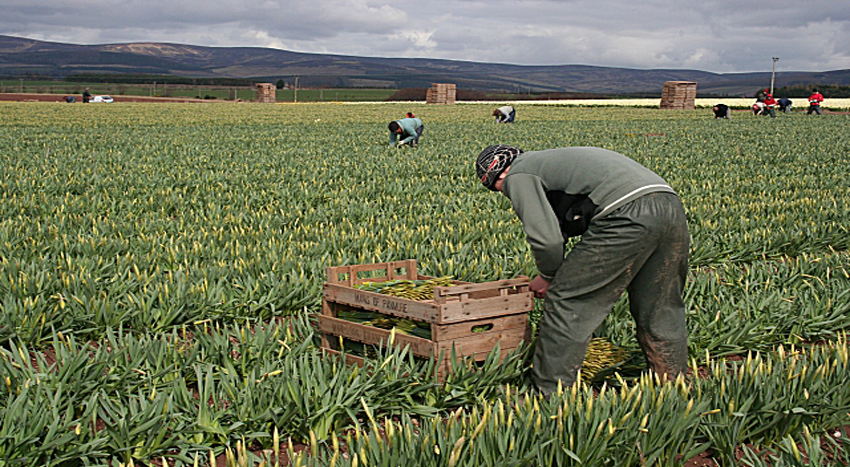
column 679, row 95
column 470, row 318
column 266, row 93
column 441, row 93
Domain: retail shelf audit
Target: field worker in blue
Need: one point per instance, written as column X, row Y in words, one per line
column 408, row 129
column 634, row 238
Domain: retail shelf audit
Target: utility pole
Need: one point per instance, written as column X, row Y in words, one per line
column 773, row 75
column 296, row 89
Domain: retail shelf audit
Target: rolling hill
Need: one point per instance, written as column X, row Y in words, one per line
column 27, row 57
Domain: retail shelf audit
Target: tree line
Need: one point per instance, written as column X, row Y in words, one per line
column 804, row 90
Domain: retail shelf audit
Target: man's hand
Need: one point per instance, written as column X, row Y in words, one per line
column 399, row 144
column 539, row 286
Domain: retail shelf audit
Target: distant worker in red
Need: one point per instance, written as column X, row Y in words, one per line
column 770, row 105
column 814, row 102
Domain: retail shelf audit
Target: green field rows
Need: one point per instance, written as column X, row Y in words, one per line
column 156, row 255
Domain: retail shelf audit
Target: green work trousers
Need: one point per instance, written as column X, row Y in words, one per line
column 640, row 247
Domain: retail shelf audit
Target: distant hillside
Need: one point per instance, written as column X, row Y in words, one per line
column 26, row 57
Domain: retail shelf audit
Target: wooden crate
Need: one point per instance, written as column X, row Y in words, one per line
column 678, row 95
column 467, row 317
column 441, row 93
column 266, row 93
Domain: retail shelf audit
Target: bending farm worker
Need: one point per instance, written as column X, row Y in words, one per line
column 815, row 100
column 770, row 105
column 505, row 114
column 722, row 111
column 634, row 238
column 408, row 129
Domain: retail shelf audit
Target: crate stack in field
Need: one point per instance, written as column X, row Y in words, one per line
column 441, row 93
column 678, row 95
column 469, row 318
column 266, row 93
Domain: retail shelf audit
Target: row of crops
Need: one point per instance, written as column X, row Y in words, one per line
column 159, row 264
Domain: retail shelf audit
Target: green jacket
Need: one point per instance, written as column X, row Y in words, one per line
column 408, row 126
column 608, row 178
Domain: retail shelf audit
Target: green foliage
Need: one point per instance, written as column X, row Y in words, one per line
column 809, row 450
column 805, row 90
column 159, row 263
column 794, row 390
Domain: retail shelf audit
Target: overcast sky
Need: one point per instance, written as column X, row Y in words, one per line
column 709, row 35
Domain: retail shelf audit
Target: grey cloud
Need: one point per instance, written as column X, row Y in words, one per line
column 711, row 35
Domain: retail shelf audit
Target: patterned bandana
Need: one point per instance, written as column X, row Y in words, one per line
column 493, row 161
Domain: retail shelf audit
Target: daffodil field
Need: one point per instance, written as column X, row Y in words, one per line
column 160, row 266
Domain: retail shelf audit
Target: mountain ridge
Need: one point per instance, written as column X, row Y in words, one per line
column 27, row 57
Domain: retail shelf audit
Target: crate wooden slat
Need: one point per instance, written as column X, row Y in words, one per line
column 510, row 330
column 442, row 333
column 372, row 335
column 488, row 300
column 350, row 275
column 480, row 345
column 469, row 318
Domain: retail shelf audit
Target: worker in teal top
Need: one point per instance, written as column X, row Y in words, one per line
column 634, row 237
column 409, row 129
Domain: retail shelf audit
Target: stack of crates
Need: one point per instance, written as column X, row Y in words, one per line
column 441, row 93
column 266, row 93
column 467, row 319
column 679, row 95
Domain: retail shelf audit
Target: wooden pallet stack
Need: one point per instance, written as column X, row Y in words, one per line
column 266, row 93
column 678, row 95
column 469, row 318
column 441, row 93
